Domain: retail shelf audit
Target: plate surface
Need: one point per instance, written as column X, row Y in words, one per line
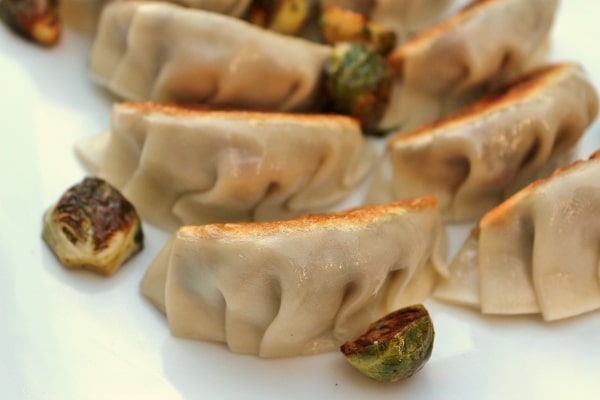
column 66, row 335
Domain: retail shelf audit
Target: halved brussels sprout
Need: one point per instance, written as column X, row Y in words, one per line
column 37, row 20
column 357, row 83
column 93, row 227
column 394, row 347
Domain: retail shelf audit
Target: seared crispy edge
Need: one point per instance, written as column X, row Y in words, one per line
column 191, row 111
column 349, row 219
column 396, row 57
column 499, row 214
column 519, row 90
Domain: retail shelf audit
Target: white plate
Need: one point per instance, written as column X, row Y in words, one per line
column 66, row 335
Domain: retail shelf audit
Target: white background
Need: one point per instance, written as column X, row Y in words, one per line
column 66, row 335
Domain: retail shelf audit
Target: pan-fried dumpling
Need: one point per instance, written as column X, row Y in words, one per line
column 167, row 53
column 447, row 65
column 537, row 252
column 183, row 166
column 490, row 38
column 300, row 286
column 84, row 14
column 477, row 158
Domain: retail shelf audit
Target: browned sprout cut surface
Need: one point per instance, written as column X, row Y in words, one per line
column 37, row 20
column 93, row 227
column 394, row 347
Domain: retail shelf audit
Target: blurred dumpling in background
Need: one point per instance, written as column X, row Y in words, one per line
column 167, row 53
column 84, row 14
column 453, row 62
column 408, row 18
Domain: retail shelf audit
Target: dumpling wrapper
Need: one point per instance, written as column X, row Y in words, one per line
column 477, row 158
column 487, row 39
column 451, row 63
column 167, row 53
column 537, row 252
column 84, row 14
column 408, row 18
column 297, row 287
column 187, row 166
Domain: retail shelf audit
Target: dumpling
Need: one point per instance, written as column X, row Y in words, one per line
column 410, row 17
column 84, row 14
column 184, row 166
column 537, row 252
column 477, row 158
column 488, row 39
column 297, row 287
column 448, row 65
column 167, row 53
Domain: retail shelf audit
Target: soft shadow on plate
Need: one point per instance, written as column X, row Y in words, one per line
column 209, row 368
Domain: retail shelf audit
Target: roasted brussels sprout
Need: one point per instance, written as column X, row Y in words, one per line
column 357, row 83
column 93, row 227
column 394, row 347
column 340, row 25
column 37, row 20
column 283, row 16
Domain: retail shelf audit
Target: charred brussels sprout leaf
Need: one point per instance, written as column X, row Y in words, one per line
column 357, row 83
column 93, row 227
column 394, row 347
column 37, row 20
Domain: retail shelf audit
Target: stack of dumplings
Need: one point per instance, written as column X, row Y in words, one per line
column 219, row 136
